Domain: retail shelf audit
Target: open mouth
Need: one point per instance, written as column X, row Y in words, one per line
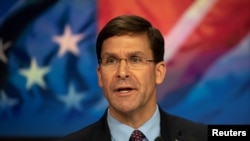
column 124, row 90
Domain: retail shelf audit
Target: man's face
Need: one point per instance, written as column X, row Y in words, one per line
column 129, row 89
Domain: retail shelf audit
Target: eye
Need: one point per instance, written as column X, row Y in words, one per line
column 110, row 61
column 136, row 59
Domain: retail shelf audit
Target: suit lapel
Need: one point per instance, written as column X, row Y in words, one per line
column 168, row 131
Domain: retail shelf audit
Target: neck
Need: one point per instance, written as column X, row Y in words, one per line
column 135, row 118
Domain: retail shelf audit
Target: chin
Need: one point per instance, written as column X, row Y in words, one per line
column 126, row 109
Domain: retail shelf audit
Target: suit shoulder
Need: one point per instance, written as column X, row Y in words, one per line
column 185, row 127
column 83, row 133
column 89, row 132
column 186, row 123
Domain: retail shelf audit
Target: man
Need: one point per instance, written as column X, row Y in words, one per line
column 130, row 53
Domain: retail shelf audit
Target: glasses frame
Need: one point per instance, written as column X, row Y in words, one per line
column 127, row 60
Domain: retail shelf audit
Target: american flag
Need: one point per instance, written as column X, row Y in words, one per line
column 48, row 84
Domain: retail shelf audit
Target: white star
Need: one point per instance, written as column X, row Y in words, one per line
column 4, row 47
column 72, row 99
column 6, row 102
column 68, row 41
column 35, row 74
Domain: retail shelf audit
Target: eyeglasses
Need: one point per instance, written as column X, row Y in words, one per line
column 134, row 62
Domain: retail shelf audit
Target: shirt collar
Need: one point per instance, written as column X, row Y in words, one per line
column 122, row 132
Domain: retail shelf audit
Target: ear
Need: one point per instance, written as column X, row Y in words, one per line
column 99, row 75
column 160, row 72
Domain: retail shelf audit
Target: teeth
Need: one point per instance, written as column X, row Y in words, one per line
column 123, row 91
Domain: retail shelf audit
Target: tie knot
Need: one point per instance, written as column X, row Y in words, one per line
column 137, row 135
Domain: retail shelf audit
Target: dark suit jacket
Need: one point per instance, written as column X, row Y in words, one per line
column 173, row 128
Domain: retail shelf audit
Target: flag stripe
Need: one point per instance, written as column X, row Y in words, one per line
column 180, row 32
column 163, row 14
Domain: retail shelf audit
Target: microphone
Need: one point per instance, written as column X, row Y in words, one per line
column 159, row 139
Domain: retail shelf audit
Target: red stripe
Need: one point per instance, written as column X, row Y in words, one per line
column 162, row 13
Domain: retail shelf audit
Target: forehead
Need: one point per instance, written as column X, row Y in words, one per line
column 127, row 44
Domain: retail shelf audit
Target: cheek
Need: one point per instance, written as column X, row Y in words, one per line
column 148, row 79
column 104, row 79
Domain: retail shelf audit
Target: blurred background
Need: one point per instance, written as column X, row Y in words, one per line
column 48, row 82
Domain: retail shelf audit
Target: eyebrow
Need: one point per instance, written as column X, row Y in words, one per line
column 136, row 53
column 108, row 54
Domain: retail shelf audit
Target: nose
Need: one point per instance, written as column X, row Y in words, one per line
column 123, row 70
